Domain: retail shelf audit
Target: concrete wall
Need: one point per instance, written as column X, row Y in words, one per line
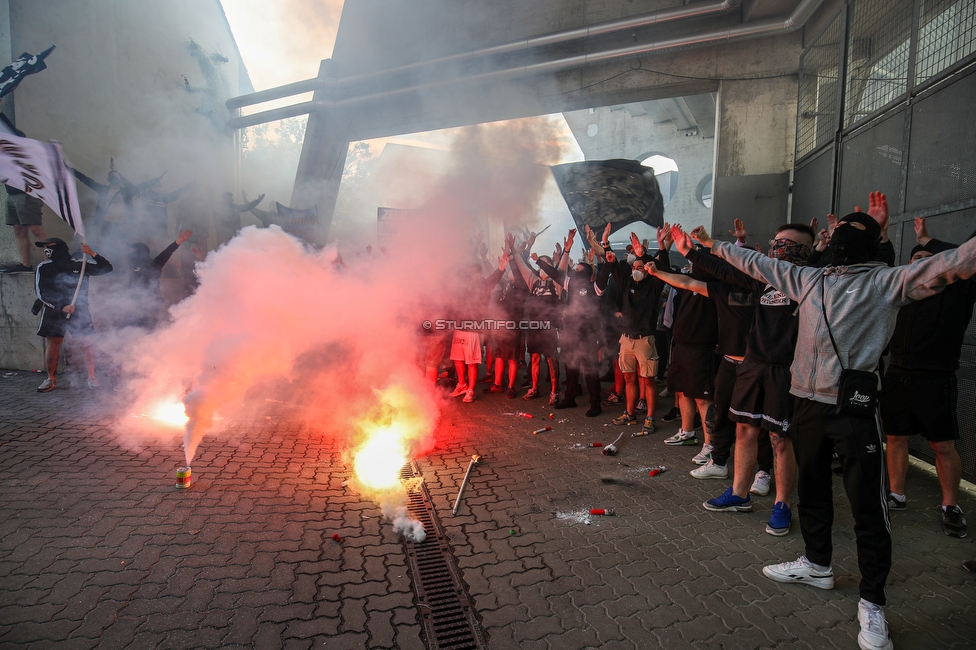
column 114, row 88
column 620, row 135
column 756, row 137
column 374, row 36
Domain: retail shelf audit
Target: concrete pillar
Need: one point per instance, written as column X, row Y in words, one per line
column 322, row 161
column 756, row 127
column 8, row 245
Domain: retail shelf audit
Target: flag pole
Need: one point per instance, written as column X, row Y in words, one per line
column 81, row 278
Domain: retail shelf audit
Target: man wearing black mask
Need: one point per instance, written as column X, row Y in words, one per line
column 847, row 314
column 56, row 281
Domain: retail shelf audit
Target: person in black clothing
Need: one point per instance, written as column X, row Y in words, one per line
column 735, row 308
column 506, row 342
column 142, row 287
column 638, row 307
column 761, row 398
column 919, row 392
column 227, row 217
column 691, row 374
column 541, row 308
column 56, row 281
column 115, row 200
column 580, row 331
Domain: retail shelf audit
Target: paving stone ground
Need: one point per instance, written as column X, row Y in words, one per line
column 98, row 549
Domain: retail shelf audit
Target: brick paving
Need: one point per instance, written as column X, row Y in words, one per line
column 98, row 549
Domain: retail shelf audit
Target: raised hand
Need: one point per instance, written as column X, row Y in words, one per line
column 738, row 230
column 814, row 223
column 701, row 236
column 611, row 257
column 651, row 268
column 606, row 233
column 590, row 256
column 682, row 240
column 664, row 236
column 823, row 239
column 921, row 232
column 568, row 242
column 636, row 243
column 183, row 236
column 831, row 225
column 878, row 208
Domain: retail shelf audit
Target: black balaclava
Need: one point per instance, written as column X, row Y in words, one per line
column 852, row 245
column 139, row 255
column 59, row 250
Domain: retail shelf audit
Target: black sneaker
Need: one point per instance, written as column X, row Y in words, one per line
column 671, row 415
column 510, row 394
column 896, row 504
column 953, row 523
column 18, row 268
column 594, row 411
column 565, row 403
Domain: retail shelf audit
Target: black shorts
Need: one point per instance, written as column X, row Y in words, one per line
column 504, row 344
column 692, row 371
column 921, row 404
column 55, row 325
column 542, row 342
column 762, row 396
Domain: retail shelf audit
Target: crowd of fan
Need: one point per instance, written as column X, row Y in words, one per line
column 758, row 347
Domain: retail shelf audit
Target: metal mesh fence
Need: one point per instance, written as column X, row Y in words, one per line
column 872, row 160
column 877, row 55
column 819, row 87
column 946, row 34
column 942, row 168
column 812, row 187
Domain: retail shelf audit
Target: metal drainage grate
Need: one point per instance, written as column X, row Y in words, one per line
column 442, row 598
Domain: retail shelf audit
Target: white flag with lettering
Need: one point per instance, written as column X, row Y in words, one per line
column 38, row 168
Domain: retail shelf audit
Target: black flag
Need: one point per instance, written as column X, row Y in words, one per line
column 618, row 192
column 24, row 65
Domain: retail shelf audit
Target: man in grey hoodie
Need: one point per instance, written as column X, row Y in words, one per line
column 859, row 301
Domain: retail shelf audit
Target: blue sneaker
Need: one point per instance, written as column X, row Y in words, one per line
column 728, row 502
column 779, row 520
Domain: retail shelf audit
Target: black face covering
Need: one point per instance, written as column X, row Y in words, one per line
column 59, row 250
column 852, row 245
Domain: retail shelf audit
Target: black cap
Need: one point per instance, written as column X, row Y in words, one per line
column 50, row 241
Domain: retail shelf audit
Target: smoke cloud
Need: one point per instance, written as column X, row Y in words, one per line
column 275, row 319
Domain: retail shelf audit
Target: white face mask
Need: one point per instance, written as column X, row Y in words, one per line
column 48, row 252
column 637, row 275
column 631, row 258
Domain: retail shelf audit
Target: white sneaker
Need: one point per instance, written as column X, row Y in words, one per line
column 760, row 485
column 459, row 390
column 469, row 397
column 685, row 438
column 704, row 455
column 874, row 627
column 801, row 570
column 47, row 386
column 710, row 470
column 664, row 393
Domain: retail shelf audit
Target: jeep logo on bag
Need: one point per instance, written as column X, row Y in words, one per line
column 859, row 399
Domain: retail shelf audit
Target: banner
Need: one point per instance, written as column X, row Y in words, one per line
column 24, row 65
column 299, row 223
column 618, row 192
column 38, row 169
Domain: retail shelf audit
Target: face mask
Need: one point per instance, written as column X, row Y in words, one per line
column 631, row 258
column 637, row 275
column 852, row 245
column 788, row 251
column 48, row 252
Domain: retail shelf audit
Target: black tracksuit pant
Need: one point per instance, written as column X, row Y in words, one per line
column 817, row 430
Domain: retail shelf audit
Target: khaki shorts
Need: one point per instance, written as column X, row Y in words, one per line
column 23, row 210
column 638, row 355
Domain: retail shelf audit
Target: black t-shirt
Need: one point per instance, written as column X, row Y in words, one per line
column 772, row 338
column 736, row 310
column 695, row 321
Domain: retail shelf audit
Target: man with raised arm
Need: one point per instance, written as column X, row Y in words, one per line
column 920, row 392
column 847, row 313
